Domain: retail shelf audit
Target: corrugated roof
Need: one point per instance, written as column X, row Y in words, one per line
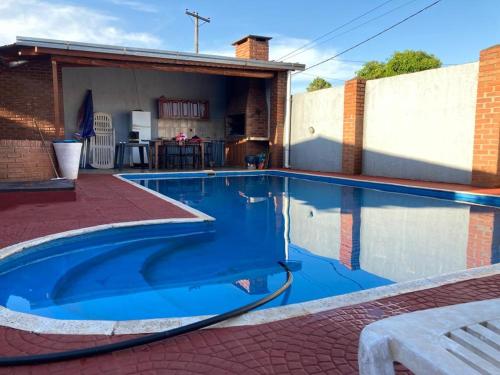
column 154, row 53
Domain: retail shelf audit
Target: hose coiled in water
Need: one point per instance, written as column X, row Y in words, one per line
column 38, row 359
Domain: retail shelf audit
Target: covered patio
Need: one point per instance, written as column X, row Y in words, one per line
column 233, row 106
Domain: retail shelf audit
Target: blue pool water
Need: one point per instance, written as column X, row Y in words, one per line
column 336, row 240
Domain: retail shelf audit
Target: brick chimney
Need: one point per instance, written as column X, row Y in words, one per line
column 252, row 47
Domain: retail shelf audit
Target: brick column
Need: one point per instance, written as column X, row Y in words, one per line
column 483, row 245
column 350, row 227
column 486, row 159
column 352, row 142
column 278, row 102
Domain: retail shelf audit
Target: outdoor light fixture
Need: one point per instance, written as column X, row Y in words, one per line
column 14, row 64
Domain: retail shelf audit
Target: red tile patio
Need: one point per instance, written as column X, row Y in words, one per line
column 323, row 343
column 401, row 181
column 98, row 199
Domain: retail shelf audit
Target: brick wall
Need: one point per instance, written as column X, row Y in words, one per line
column 486, row 158
column 278, row 102
column 24, row 160
column 26, row 96
column 256, row 108
column 483, row 246
column 252, row 48
column 248, row 96
column 354, row 105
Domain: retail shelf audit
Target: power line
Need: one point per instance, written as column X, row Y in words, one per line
column 335, row 29
column 373, row 36
column 353, row 28
column 325, row 77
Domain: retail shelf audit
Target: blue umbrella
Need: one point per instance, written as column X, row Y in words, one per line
column 85, row 120
column 85, row 125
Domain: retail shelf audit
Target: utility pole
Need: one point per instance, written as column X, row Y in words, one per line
column 197, row 19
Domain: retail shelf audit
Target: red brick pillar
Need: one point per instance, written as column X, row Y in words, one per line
column 350, row 228
column 352, row 143
column 483, row 245
column 278, row 102
column 486, row 159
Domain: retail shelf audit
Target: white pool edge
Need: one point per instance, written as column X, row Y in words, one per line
column 198, row 214
column 242, row 172
column 38, row 324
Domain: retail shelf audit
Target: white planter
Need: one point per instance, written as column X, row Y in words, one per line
column 68, row 157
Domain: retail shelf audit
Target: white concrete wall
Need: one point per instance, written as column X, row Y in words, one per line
column 322, row 110
column 421, row 125
column 119, row 91
column 315, row 218
column 405, row 239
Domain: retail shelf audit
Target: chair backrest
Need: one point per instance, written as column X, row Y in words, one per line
column 103, row 122
column 102, row 146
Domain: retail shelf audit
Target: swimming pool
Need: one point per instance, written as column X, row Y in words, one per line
column 336, row 239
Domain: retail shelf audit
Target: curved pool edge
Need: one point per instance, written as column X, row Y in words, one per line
column 18, row 247
column 42, row 325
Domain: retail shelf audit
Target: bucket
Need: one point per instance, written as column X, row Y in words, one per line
column 68, row 157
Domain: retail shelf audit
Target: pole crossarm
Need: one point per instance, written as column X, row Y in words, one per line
column 197, row 19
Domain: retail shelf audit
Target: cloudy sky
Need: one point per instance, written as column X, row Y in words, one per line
column 454, row 30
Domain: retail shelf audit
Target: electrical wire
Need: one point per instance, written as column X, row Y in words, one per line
column 354, row 28
column 371, row 37
column 325, row 77
column 337, row 28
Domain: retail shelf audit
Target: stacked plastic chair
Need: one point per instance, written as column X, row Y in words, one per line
column 102, row 146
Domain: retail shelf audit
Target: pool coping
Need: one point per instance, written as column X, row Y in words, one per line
column 38, row 324
column 460, row 196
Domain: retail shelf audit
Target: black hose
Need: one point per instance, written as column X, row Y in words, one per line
column 38, row 359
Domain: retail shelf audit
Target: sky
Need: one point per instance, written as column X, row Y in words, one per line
column 453, row 30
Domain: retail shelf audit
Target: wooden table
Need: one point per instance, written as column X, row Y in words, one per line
column 156, row 144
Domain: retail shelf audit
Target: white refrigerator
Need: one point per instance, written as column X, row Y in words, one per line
column 141, row 122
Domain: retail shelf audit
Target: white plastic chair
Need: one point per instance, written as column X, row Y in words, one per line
column 452, row 340
column 102, row 146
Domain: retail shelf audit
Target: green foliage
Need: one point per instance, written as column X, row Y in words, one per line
column 411, row 61
column 401, row 62
column 372, row 70
column 318, row 83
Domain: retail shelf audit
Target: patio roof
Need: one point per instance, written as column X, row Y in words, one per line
column 68, row 52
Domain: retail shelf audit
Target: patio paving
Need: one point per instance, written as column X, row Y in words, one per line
column 98, row 199
column 322, row 343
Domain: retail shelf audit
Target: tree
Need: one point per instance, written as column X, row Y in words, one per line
column 411, row 61
column 318, row 83
column 372, row 70
column 401, row 62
